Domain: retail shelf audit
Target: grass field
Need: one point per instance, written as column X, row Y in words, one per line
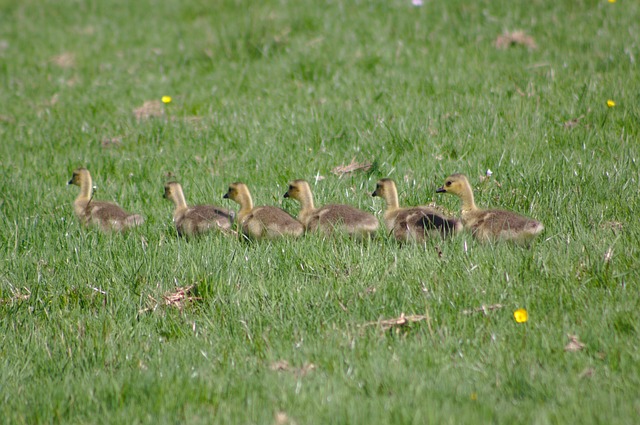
column 268, row 91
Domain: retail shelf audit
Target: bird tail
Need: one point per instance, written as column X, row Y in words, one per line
column 134, row 220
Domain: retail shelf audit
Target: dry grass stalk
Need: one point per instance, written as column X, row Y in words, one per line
column 111, row 142
column 587, row 373
column 284, row 366
column 403, row 320
column 64, row 60
column 178, row 298
column 350, row 168
column 608, row 255
column 574, row 344
column 191, row 119
column 515, row 38
column 573, row 122
column 616, row 226
column 149, row 109
column 484, row 309
column 16, row 296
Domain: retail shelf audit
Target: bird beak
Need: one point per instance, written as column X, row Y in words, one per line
column 441, row 190
column 286, row 195
column 70, row 182
column 226, row 195
column 375, row 193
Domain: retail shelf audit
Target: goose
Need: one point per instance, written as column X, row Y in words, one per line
column 490, row 224
column 198, row 219
column 412, row 223
column 263, row 222
column 331, row 217
column 105, row 215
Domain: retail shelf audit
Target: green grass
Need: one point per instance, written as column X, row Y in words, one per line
column 265, row 92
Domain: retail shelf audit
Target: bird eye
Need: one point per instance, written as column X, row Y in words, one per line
column 290, row 187
column 448, row 183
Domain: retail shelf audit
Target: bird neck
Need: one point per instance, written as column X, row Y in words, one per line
column 246, row 205
column 468, row 204
column 391, row 199
column 179, row 201
column 86, row 186
column 306, row 202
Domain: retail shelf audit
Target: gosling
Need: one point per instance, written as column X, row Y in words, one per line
column 330, row 218
column 261, row 222
column 413, row 223
column 490, row 224
column 198, row 219
column 105, row 215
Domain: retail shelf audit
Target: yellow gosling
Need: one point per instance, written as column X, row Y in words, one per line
column 261, row 222
column 105, row 215
column 412, row 223
column 198, row 219
column 330, row 218
column 490, row 224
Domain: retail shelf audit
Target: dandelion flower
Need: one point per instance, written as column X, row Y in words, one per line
column 166, row 99
column 612, row 1
column 521, row 315
column 611, row 103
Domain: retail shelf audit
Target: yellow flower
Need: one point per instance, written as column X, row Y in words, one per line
column 474, row 396
column 611, row 103
column 612, row 1
column 521, row 315
column 166, row 99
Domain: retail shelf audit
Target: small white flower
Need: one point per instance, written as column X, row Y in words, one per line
column 489, row 172
column 416, row 3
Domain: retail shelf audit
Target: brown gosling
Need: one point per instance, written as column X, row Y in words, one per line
column 105, row 215
column 261, row 222
column 490, row 224
column 412, row 223
column 330, row 218
column 198, row 219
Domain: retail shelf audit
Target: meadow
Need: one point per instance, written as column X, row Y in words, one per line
column 92, row 328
